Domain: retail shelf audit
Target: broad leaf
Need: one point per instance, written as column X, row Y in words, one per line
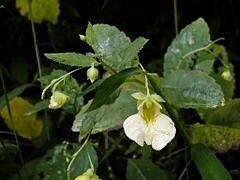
column 192, row 37
column 39, row 106
column 113, row 47
column 208, row 164
column 72, row 59
column 109, row 86
column 219, row 138
column 144, row 169
column 109, row 116
column 193, row 89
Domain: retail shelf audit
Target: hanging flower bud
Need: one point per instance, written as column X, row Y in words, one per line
column 57, row 100
column 226, row 75
column 92, row 73
column 82, row 37
column 88, row 175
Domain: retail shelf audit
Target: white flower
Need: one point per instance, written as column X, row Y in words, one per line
column 57, row 100
column 158, row 133
column 149, row 125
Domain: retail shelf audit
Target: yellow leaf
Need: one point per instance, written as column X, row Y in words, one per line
column 29, row 127
column 39, row 10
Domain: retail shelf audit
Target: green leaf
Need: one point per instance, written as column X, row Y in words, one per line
column 208, row 164
column 14, row 93
column 39, row 10
column 113, row 47
column 81, row 162
column 193, row 89
column 39, row 106
column 109, row 116
column 192, row 37
column 144, row 169
column 72, row 59
column 8, row 151
column 109, row 86
column 219, row 138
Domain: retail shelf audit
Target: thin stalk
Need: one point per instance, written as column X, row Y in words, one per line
column 39, row 71
column 175, row 16
column 11, row 119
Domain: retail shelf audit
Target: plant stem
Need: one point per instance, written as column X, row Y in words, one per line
column 11, row 119
column 175, row 16
column 39, row 71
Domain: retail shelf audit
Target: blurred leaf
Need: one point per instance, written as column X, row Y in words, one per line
column 227, row 115
column 109, row 86
column 39, row 106
column 14, row 93
column 193, row 89
column 39, row 10
column 208, row 164
column 144, row 169
column 72, row 59
column 113, row 47
column 219, row 138
column 29, row 127
column 8, row 151
column 82, row 162
column 109, row 116
column 192, row 37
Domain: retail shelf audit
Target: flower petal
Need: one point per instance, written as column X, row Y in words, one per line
column 138, row 95
column 134, row 127
column 164, row 131
column 157, row 98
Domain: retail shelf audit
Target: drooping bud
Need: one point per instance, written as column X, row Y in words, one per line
column 88, row 175
column 92, row 73
column 226, row 75
column 57, row 100
column 82, row 37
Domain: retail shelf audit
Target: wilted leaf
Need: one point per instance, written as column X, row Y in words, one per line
column 193, row 89
column 29, row 127
column 39, row 10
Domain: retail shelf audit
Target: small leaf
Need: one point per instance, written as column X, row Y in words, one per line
column 81, row 162
column 219, row 138
column 208, row 164
column 193, row 89
column 108, row 87
column 192, row 37
column 144, row 169
column 14, row 93
column 72, row 59
column 39, row 106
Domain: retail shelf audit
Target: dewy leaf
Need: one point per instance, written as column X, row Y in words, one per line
column 193, row 89
column 39, row 10
column 82, row 163
column 109, row 116
column 72, row 59
column 144, row 169
column 108, row 87
column 192, row 37
column 29, row 127
column 113, row 47
column 208, row 164
column 14, row 93
column 219, row 138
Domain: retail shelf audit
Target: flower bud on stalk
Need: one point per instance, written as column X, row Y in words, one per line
column 92, row 73
column 57, row 100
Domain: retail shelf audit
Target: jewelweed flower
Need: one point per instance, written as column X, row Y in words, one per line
column 88, row 175
column 149, row 125
column 57, row 100
column 92, row 73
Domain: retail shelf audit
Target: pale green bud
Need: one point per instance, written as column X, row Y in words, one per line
column 92, row 74
column 226, row 75
column 82, row 37
column 57, row 100
column 88, row 175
